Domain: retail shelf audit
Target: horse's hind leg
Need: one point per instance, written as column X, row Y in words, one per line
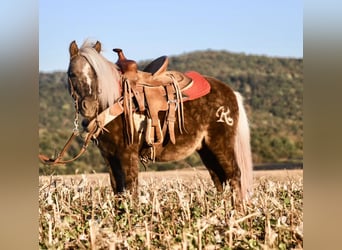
column 222, row 166
column 215, row 170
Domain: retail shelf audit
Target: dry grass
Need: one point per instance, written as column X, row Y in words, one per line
column 175, row 210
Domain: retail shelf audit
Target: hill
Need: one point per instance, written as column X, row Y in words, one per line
column 272, row 88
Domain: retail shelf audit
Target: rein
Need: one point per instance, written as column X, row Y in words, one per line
column 59, row 159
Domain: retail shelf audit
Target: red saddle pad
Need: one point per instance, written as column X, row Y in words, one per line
column 199, row 88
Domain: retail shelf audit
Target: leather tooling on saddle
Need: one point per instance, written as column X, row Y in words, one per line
column 157, row 89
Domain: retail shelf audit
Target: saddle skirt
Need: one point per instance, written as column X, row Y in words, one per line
column 199, row 88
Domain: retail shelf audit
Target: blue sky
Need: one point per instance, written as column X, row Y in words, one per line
column 148, row 29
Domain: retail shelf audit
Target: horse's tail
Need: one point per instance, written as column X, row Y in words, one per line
column 243, row 154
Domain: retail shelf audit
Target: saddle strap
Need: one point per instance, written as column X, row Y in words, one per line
column 171, row 116
column 128, row 111
column 106, row 117
column 154, row 134
column 175, row 102
column 139, row 96
column 179, row 98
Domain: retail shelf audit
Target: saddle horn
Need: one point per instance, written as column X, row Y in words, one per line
column 125, row 65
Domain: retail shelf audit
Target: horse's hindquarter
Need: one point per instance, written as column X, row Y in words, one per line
column 206, row 118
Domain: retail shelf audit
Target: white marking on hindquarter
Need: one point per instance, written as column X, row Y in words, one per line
column 224, row 116
column 86, row 72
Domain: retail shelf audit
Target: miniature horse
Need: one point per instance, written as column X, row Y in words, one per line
column 216, row 125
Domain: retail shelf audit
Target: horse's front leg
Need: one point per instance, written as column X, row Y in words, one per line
column 124, row 169
column 130, row 166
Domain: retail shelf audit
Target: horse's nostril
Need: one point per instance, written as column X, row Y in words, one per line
column 88, row 108
column 85, row 104
column 88, row 105
column 85, row 123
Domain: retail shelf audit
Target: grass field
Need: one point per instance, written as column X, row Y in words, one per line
column 175, row 210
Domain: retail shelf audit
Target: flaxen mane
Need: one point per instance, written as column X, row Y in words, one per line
column 108, row 78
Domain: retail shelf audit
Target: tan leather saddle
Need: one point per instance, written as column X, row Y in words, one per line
column 150, row 91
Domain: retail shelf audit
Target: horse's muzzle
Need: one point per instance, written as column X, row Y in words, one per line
column 88, row 108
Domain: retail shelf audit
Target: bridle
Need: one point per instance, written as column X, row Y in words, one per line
column 75, row 96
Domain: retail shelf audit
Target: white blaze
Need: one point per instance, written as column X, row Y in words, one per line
column 86, row 72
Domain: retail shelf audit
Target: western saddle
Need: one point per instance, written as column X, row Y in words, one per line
column 150, row 91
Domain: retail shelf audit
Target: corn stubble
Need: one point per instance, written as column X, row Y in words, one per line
column 168, row 214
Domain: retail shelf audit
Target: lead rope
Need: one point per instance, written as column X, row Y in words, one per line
column 76, row 124
column 58, row 160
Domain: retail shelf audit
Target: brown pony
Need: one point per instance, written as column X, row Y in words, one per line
column 216, row 125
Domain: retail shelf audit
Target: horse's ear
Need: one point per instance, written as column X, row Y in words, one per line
column 73, row 49
column 97, row 46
